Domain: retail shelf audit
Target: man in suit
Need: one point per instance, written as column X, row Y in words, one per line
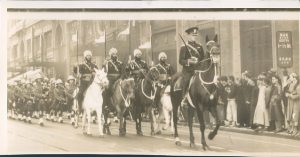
column 190, row 55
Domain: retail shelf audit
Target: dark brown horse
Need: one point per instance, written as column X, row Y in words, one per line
column 202, row 94
column 144, row 97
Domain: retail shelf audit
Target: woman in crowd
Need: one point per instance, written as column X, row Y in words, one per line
column 231, row 114
column 275, row 109
column 293, row 107
column 261, row 115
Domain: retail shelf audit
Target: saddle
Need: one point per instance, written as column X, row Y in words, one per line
column 178, row 85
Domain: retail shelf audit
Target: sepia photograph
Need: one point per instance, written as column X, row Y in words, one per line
column 153, row 82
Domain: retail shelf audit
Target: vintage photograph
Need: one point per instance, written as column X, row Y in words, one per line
column 176, row 86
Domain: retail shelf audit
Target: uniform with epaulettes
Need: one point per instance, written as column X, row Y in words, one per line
column 138, row 69
column 113, row 69
column 165, row 72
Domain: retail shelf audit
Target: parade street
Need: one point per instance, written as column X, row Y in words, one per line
column 63, row 138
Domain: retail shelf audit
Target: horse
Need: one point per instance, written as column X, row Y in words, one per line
column 75, row 109
column 123, row 93
column 144, row 98
column 202, row 94
column 93, row 101
column 165, row 111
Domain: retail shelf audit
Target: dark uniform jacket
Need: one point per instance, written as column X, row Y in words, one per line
column 113, row 69
column 138, row 68
column 231, row 91
column 86, row 71
column 59, row 93
column 28, row 94
column 38, row 92
column 194, row 50
column 165, row 71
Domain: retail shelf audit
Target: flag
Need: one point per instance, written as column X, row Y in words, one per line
column 146, row 37
column 100, row 33
column 74, row 37
column 123, row 34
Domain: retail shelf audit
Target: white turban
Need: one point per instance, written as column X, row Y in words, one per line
column 136, row 52
column 113, row 51
column 162, row 54
column 87, row 52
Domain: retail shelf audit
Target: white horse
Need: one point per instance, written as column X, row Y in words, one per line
column 93, row 101
column 165, row 111
column 75, row 109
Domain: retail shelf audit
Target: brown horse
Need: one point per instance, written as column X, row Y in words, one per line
column 144, row 98
column 123, row 92
column 202, row 94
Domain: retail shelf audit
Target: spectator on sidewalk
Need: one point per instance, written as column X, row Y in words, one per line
column 261, row 118
column 240, row 103
column 268, row 92
column 231, row 114
column 275, row 109
column 293, row 108
column 222, row 100
column 253, row 103
column 285, row 88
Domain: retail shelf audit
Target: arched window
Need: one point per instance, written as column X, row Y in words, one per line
column 58, row 37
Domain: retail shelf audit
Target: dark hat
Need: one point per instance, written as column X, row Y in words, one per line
column 192, row 30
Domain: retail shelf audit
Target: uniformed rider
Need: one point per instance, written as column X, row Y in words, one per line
column 138, row 67
column 191, row 53
column 165, row 73
column 85, row 72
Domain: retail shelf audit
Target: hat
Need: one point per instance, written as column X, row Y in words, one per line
column 58, row 81
column 192, row 31
column 162, row 54
column 87, row 53
column 136, row 52
column 46, row 79
column 52, row 80
column 38, row 77
column 112, row 51
column 70, row 77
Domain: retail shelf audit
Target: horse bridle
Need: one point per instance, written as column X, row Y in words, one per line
column 151, row 97
column 126, row 100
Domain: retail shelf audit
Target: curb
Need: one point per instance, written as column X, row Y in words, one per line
column 250, row 132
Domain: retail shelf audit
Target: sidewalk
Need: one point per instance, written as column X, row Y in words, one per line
column 283, row 134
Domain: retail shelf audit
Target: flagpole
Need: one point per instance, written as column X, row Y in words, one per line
column 151, row 40
column 129, row 38
column 103, row 25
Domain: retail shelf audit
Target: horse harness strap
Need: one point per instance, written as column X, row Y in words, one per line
column 152, row 94
column 125, row 100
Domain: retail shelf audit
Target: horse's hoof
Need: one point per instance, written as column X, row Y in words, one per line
column 192, row 145
column 108, row 132
column 211, row 135
column 158, row 132
column 41, row 124
column 205, row 147
column 73, row 123
column 140, row 133
column 89, row 134
column 94, row 121
column 178, row 143
column 152, row 133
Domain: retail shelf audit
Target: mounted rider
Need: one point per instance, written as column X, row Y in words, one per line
column 85, row 72
column 165, row 73
column 113, row 67
column 138, row 67
column 190, row 55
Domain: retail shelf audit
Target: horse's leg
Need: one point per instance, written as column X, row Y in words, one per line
column 190, row 122
column 84, row 121
column 213, row 111
column 202, row 128
column 167, row 118
column 172, row 121
column 120, row 116
column 138, row 120
column 175, row 119
column 89, row 119
column 152, row 119
column 99, row 115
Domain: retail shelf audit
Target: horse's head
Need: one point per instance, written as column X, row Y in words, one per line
column 213, row 49
column 153, row 74
column 128, row 86
column 101, row 78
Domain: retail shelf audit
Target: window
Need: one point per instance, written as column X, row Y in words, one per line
column 48, row 40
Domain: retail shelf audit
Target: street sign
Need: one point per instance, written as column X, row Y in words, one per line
column 284, row 49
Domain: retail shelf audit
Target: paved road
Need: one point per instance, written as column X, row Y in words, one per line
column 63, row 138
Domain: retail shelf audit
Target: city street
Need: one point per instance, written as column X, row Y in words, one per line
column 63, row 138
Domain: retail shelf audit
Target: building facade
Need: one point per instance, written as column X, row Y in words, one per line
column 57, row 46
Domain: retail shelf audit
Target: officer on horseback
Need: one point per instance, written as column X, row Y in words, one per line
column 190, row 55
column 113, row 67
column 138, row 67
column 165, row 73
column 85, row 73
